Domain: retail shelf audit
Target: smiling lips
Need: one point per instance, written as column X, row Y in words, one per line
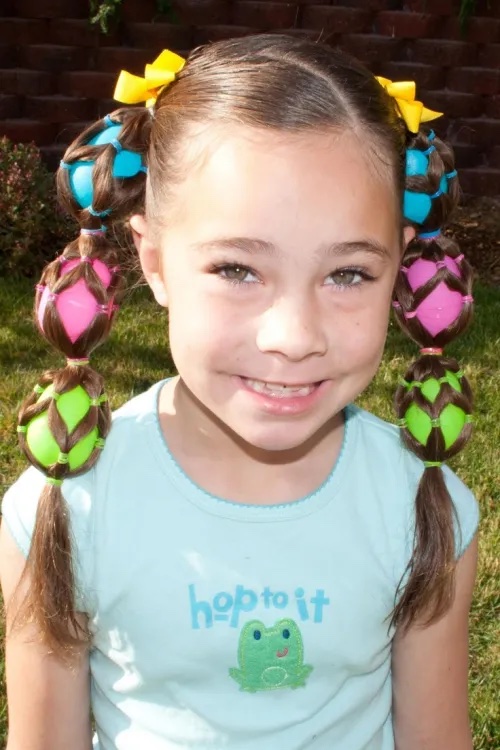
column 281, row 654
column 278, row 390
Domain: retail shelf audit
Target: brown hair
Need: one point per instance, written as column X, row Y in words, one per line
column 268, row 82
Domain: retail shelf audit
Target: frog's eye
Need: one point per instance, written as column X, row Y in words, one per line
column 257, row 635
column 286, row 633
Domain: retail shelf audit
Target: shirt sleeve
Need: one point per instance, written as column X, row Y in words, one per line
column 19, row 509
column 466, row 511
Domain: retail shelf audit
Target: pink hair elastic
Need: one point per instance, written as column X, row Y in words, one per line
column 431, row 350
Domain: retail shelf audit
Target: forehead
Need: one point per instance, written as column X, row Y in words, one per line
column 282, row 185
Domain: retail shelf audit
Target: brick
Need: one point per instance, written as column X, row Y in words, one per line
column 494, row 157
column 479, row 30
column 52, row 8
column 375, row 5
column 482, row 131
column 489, row 56
column 25, row 31
column 406, row 25
column 86, row 84
column 158, row 36
column 467, row 156
column 475, row 80
column 10, row 106
column 59, row 109
column 372, row 49
column 114, row 59
column 138, row 10
column 439, row 7
column 27, row 131
column 264, row 15
column 446, row 52
column 70, row 131
column 428, row 77
column 206, row 12
column 53, row 58
column 75, row 32
column 480, row 181
column 206, row 34
column 18, row 81
column 492, row 106
column 454, row 103
column 8, row 56
column 52, row 155
column 336, row 20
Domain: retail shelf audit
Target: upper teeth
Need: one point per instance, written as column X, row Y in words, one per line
column 279, row 390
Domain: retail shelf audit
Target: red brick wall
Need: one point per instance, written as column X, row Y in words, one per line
column 57, row 72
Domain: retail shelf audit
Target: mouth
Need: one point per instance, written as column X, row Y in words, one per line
column 281, row 654
column 281, row 390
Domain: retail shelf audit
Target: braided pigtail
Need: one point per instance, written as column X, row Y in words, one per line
column 433, row 305
column 64, row 422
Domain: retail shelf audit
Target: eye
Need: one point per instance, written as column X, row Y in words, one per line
column 348, row 277
column 257, row 635
column 235, row 273
column 286, row 634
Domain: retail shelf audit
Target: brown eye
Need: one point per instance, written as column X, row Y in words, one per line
column 235, row 273
column 347, row 277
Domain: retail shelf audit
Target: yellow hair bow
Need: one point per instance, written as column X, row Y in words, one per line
column 411, row 110
column 132, row 89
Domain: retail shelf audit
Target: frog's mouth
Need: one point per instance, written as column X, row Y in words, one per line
column 281, row 654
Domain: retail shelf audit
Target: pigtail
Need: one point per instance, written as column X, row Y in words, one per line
column 64, row 422
column 433, row 305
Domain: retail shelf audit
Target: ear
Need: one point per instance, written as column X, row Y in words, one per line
column 150, row 258
column 408, row 235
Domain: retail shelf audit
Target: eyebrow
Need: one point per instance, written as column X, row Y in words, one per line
column 256, row 246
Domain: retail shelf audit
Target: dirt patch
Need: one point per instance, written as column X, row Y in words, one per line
column 476, row 228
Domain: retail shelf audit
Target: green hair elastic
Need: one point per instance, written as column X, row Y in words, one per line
column 430, row 464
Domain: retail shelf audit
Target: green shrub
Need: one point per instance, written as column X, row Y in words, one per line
column 33, row 229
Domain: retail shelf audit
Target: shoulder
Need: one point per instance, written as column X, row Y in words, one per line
column 20, row 502
column 397, row 471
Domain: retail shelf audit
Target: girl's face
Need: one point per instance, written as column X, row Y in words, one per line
column 277, row 267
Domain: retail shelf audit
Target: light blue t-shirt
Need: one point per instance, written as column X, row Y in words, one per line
column 221, row 626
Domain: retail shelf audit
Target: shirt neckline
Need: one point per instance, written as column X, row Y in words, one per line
column 214, row 505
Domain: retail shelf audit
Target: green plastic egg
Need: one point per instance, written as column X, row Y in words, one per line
column 452, row 421
column 418, row 423
column 73, row 406
column 431, row 387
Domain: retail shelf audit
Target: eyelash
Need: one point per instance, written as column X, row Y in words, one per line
column 218, row 270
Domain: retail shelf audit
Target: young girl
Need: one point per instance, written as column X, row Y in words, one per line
column 249, row 562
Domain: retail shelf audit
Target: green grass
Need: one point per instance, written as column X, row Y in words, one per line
column 137, row 355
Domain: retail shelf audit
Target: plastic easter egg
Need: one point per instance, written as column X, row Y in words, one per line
column 431, row 387
column 418, row 423
column 125, row 164
column 439, row 309
column 80, row 182
column 421, row 271
column 416, row 206
column 76, row 305
column 73, row 406
column 41, row 441
column 452, row 421
column 417, row 163
column 106, row 136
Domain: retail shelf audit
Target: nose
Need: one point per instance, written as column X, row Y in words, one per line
column 292, row 328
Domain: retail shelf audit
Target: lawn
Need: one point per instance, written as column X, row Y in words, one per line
column 137, row 355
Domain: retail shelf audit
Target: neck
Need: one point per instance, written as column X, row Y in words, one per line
column 222, row 463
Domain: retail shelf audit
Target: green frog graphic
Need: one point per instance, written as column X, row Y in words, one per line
column 270, row 658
